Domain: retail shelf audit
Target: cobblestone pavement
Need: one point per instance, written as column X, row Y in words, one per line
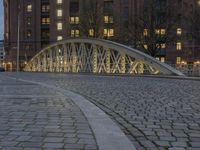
column 154, row 113
column 37, row 118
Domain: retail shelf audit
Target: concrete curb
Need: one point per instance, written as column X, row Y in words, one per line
column 127, row 75
column 108, row 135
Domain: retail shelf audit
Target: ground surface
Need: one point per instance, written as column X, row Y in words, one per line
column 154, row 113
column 36, row 118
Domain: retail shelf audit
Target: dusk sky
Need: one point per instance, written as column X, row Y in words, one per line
column 1, row 19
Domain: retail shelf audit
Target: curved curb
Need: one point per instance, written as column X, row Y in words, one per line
column 108, row 135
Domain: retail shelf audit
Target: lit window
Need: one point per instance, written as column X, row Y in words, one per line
column 145, row 46
column 59, row 1
column 178, row 45
column 157, row 31
column 162, row 59
column 179, row 31
column 29, row 33
column 75, row 33
column 163, row 45
column 108, row 32
column 145, row 33
column 29, row 8
column 91, row 32
column 160, row 31
column 45, row 20
column 29, row 20
column 105, row 19
column 108, row 19
column 59, row 13
column 59, row 26
column 74, row 20
column 45, row 8
column 178, row 60
column 59, row 38
column 198, row 2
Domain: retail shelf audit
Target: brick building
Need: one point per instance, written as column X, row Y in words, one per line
column 1, row 54
column 43, row 22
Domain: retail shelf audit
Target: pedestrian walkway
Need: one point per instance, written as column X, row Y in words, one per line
column 36, row 116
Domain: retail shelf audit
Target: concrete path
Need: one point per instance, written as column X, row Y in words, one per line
column 154, row 113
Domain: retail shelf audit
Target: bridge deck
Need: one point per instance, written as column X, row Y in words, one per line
column 155, row 114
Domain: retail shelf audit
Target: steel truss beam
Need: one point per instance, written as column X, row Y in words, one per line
column 96, row 56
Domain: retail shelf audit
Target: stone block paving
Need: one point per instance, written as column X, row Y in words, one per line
column 156, row 114
column 35, row 118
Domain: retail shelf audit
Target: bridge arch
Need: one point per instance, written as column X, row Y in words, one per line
column 96, row 56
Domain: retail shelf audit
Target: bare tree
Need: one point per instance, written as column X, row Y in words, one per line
column 151, row 30
column 91, row 22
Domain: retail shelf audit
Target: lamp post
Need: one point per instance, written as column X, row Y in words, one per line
column 18, row 36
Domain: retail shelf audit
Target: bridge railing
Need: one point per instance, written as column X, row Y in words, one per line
column 188, row 69
column 96, row 56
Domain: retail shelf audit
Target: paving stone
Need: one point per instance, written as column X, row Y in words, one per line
column 34, row 118
column 162, row 143
column 140, row 106
column 179, row 144
column 54, row 145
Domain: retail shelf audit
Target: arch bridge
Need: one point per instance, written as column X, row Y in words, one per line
column 96, row 56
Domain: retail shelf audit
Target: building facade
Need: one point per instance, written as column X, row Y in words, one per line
column 2, row 54
column 43, row 22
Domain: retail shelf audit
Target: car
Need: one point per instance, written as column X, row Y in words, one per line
column 2, row 69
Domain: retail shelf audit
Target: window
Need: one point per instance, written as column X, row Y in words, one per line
column 45, row 34
column 160, row 31
column 45, row 20
column 145, row 32
column 91, row 32
column 75, row 33
column 162, row 45
column 108, row 6
column 179, row 31
column 74, row 20
column 145, row 46
column 108, row 19
column 126, row 12
column 178, row 60
column 29, row 8
column 59, row 13
column 74, row 7
column 28, row 20
column 59, row 1
column 29, row 33
column 162, row 59
column 178, row 46
column 28, row 47
column 59, row 26
column 59, row 38
column 108, row 32
column 45, row 8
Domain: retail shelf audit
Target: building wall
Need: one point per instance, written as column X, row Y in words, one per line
column 2, row 54
column 37, row 34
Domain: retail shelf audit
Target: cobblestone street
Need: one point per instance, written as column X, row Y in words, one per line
column 155, row 113
column 35, row 118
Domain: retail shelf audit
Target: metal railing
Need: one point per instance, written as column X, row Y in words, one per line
column 188, row 69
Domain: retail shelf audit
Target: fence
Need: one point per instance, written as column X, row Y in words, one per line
column 188, row 69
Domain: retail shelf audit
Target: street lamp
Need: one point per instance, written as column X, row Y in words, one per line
column 18, row 36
